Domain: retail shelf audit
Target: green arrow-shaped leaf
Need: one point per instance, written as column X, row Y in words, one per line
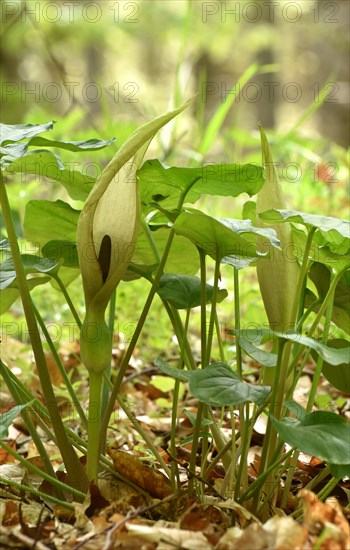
column 322, row 434
column 334, row 230
column 184, row 291
column 218, row 386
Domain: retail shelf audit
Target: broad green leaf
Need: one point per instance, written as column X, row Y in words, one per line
column 14, row 151
column 277, row 275
column 322, row 434
column 31, row 264
column 334, row 230
column 74, row 146
column 163, row 185
column 320, row 276
column 321, row 254
column 135, row 271
column 62, row 250
column 249, row 211
column 10, row 294
column 193, row 417
column 294, row 407
column 340, row 470
column 11, row 135
column 214, row 236
column 178, row 374
column 338, row 375
column 331, row 355
column 67, row 276
column 265, row 358
column 183, row 254
column 250, row 231
column 237, row 262
column 217, row 385
column 339, row 245
column 8, row 417
column 46, row 221
column 184, row 291
column 46, row 164
column 17, row 132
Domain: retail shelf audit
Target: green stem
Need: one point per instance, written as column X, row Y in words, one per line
column 221, row 456
column 175, row 475
column 232, row 470
column 319, row 364
column 22, row 487
column 219, row 338
column 74, row 468
column 62, row 370
column 107, row 372
column 237, row 320
column 68, row 300
column 327, row 489
column 175, row 319
column 20, row 400
column 313, row 391
column 220, row 441
column 151, row 241
column 212, row 312
column 242, row 474
column 203, row 276
column 255, row 487
column 329, row 296
column 93, row 448
column 276, row 402
column 29, row 466
column 143, row 317
column 284, row 372
column 318, row 478
column 301, row 279
column 143, row 434
column 136, row 335
column 195, row 439
column 289, row 479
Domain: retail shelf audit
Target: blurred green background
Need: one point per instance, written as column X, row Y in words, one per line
column 102, row 68
column 116, row 60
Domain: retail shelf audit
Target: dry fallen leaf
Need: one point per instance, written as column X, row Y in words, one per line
column 148, row 479
column 323, row 515
column 170, row 537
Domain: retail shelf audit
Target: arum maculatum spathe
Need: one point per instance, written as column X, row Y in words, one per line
column 106, row 237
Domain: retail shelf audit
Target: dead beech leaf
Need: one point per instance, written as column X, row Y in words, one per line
column 287, row 533
column 9, row 514
column 97, row 501
column 153, row 482
column 320, row 515
column 243, row 516
column 5, row 457
column 253, row 537
column 168, row 537
column 209, row 520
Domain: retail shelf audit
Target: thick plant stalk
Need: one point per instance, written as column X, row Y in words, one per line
column 106, row 235
column 278, row 278
column 74, row 468
column 277, row 275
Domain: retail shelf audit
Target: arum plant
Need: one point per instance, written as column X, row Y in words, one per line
column 150, row 205
column 106, row 236
column 278, row 278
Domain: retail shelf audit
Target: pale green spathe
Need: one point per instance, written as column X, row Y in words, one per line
column 112, row 209
column 278, row 274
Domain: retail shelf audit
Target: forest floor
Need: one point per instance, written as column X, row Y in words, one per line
column 142, row 512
